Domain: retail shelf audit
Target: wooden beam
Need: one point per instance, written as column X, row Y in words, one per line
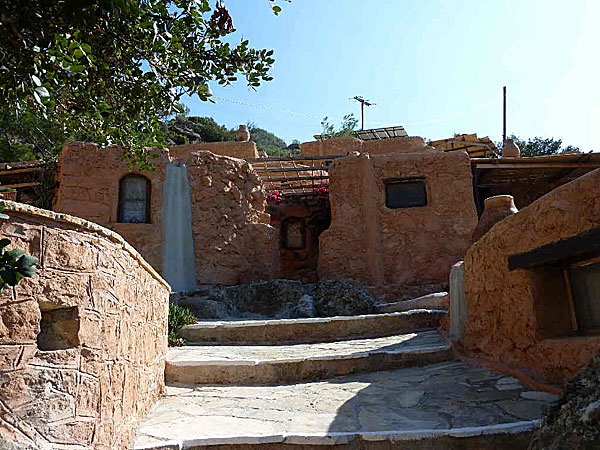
column 538, row 165
column 6, row 172
column 293, row 158
column 20, row 185
column 567, row 250
column 292, row 180
column 291, row 169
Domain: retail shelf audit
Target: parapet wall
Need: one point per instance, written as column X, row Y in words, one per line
column 404, row 252
column 233, row 149
column 83, row 342
column 345, row 145
column 521, row 317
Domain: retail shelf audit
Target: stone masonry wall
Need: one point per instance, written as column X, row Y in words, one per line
column 88, row 187
column 233, row 149
column 83, row 342
column 405, row 252
column 345, row 145
column 233, row 241
column 518, row 317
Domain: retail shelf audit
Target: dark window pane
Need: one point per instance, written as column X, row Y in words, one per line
column 585, row 286
column 293, row 233
column 134, row 197
column 405, row 194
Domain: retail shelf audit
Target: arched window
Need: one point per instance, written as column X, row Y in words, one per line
column 293, row 233
column 134, row 199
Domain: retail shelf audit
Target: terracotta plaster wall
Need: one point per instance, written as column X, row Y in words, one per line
column 88, row 187
column 506, row 310
column 397, row 253
column 345, row 145
column 92, row 394
column 233, row 241
column 234, row 149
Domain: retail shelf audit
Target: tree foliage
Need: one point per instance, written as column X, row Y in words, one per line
column 114, row 68
column 346, row 128
column 267, row 141
column 538, row 146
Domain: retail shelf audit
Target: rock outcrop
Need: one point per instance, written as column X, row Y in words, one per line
column 575, row 421
column 280, row 299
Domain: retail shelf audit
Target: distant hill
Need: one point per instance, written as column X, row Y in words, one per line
column 192, row 129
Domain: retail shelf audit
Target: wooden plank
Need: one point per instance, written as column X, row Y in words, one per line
column 7, row 172
column 20, row 185
column 537, row 165
column 292, row 169
column 567, row 250
column 293, row 158
column 291, row 180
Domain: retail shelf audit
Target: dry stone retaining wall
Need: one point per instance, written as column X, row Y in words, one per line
column 83, row 342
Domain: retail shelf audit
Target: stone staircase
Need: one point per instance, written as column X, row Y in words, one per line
column 381, row 381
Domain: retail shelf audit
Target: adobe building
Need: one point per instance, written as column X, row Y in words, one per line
column 83, row 343
column 198, row 218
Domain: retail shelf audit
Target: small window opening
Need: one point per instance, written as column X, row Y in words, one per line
column 405, row 193
column 583, row 279
column 59, row 329
column 293, row 233
column 134, row 199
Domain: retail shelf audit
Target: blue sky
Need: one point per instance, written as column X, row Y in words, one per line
column 436, row 67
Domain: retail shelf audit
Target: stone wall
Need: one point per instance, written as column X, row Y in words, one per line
column 83, row 342
column 88, row 187
column 345, row 145
column 405, row 252
column 233, row 241
column 234, row 149
column 521, row 317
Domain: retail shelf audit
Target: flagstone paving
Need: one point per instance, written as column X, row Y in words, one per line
column 447, row 396
column 278, row 364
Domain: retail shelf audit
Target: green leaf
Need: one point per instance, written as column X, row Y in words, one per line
column 27, row 261
column 9, row 276
column 15, row 254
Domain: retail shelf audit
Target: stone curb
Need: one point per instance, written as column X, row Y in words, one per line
column 77, row 222
column 310, row 330
column 341, row 438
column 438, row 300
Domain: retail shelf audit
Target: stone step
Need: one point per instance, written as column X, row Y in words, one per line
column 438, row 300
column 269, row 364
column 320, row 329
column 439, row 406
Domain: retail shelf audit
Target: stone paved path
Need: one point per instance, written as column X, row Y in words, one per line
column 450, row 395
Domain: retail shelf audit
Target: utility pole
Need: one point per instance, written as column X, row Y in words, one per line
column 504, row 117
column 363, row 103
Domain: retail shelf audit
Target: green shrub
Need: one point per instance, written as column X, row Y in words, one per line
column 15, row 264
column 178, row 318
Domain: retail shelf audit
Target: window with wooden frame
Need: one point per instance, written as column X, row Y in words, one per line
column 134, row 199
column 582, row 280
column 293, row 233
column 405, row 193
column 576, row 291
